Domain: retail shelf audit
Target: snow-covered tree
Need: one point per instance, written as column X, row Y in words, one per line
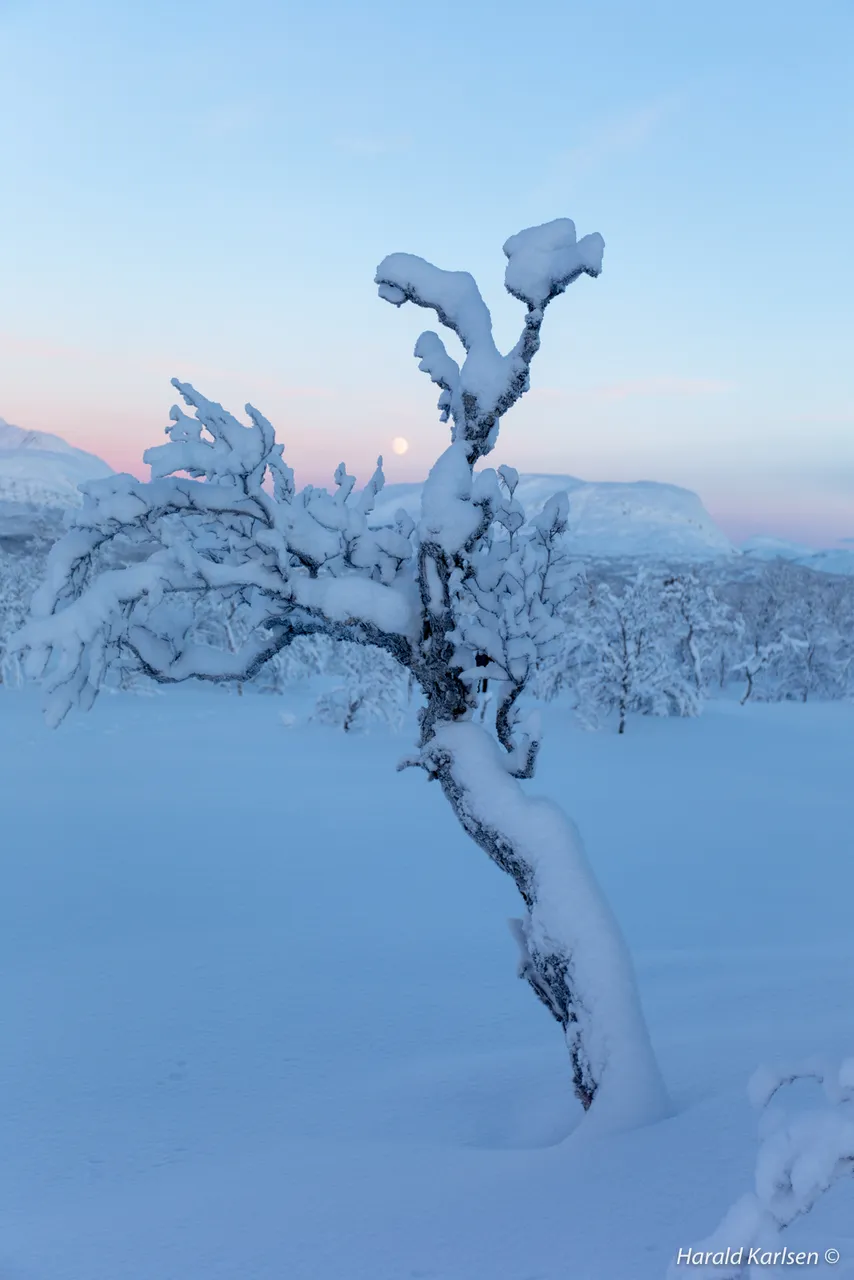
column 299, row 661
column 702, row 620
column 20, row 573
column 15, row 592
column 461, row 599
column 626, row 654
column 762, row 658
column 801, row 1156
column 815, row 617
column 220, row 622
column 795, row 633
column 762, row 638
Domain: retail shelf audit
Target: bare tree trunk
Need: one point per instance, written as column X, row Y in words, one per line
column 573, row 954
column 352, row 711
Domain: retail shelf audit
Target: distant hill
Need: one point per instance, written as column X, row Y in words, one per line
column 833, row 560
column 40, row 474
column 39, row 478
column 609, row 519
column 40, row 469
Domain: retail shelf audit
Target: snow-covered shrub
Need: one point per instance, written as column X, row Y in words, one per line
column 223, row 621
column 373, row 690
column 702, row 622
column 468, row 596
column 801, row 1156
column 306, row 657
column 20, row 573
column 630, row 662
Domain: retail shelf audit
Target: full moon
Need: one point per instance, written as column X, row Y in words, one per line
column 399, row 444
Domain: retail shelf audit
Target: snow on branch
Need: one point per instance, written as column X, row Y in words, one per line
column 544, row 260
column 801, row 1156
column 231, row 453
column 541, row 262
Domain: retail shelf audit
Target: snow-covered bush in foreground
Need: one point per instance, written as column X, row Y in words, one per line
column 469, row 596
column 801, row 1156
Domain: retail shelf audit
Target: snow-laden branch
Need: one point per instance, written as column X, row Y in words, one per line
column 231, row 453
column 541, row 262
column 308, row 555
column 801, row 1156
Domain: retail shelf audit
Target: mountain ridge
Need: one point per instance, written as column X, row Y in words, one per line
column 608, row 518
column 639, row 519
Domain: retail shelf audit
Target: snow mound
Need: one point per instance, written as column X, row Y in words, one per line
column 609, row 519
column 38, row 469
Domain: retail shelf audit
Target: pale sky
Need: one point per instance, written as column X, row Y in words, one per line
column 204, row 190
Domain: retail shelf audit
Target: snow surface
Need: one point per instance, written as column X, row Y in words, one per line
column 260, row 1014
column 644, row 518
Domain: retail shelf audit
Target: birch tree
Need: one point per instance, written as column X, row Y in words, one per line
column 463, row 597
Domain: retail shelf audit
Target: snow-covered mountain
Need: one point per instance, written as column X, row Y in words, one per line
column 40, row 471
column 642, row 518
column 43, row 470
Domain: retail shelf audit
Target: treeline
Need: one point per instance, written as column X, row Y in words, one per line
column 659, row 641
column 635, row 639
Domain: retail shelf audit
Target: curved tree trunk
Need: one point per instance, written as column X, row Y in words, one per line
column 573, row 954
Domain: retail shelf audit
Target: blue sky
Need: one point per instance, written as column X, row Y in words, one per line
column 204, row 190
